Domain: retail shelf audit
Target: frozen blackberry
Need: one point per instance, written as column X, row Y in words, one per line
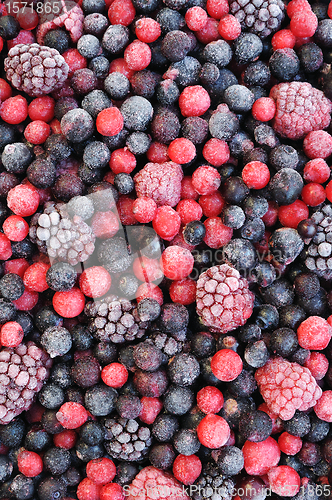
column 165, row 126
column 164, row 427
column 138, row 143
column 77, row 125
column 100, row 400
column 247, row 47
column 137, row 113
column 223, row 124
column 283, row 156
column 85, row 371
column 167, row 92
column 95, row 101
column 299, row 425
column 124, row 183
column 88, row 46
column 169, row 20
column 319, row 251
column 61, row 376
column 183, row 369
column 100, row 66
column 311, row 57
column 115, row 320
column 255, row 426
column 185, row 72
column 51, row 396
column 126, row 439
column 56, row 340
column 115, row 38
column 162, row 456
column 284, row 64
column 261, row 18
column 257, row 73
column 128, row 406
column 150, row 384
column 16, row 157
column 92, row 433
column 34, row 69
column 211, row 484
column 178, row 400
column 11, row 286
column 256, row 354
column 185, row 442
column 117, row 85
column 168, row 344
column 42, row 172
column 57, row 39
column 173, row 318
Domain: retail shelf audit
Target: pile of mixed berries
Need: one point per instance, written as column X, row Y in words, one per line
column 166, row 249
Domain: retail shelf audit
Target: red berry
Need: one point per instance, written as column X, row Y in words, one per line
column 303, row 23
column 17, row 266
column 109, row 121
column 37, row 132
column 229, row 27
column 177, row 262
column 166, row 223
column 323, row 407
column 216, row 152
column 284, row 480
column 35, row 277
column 314, row 333
column 157, row 153
column 5, row 90
column 137, row 55
column 271, row 216
column 14, row 110
column 105, row 225
column 95, row 281
column 27, row 301
column 144, row 209
column 112, row 491
column 87, row 490
column 74, row 60
column 151, row 407
column 256, row 175
column 209, row 33
column 183, row 291
column 29, row 463
column 101, row 470
column 206, row 179
column 149, row 290
column 295, row 6
column 217, row 8
column 187, row 468
column 125, row 210
column 318, row 364
column 213, row 431
column 11, row 334
column 210, row 399
column 65, row 439
column 194, row 101
column 226, row 365
column 289, row 444
column 189, row 210
column 121, row 66
column 181, row 150
column 42, row 108
column 121, row 12
column 114, row 375
column 24, row 36
column 263, row 109
column 260, row 457
column 196, row 18
column 72, row 415
column 15, row 228
column 23, row 200
column 328, row 191
column 212, row 204
column 69, row 304
column 146, row 269
column 217, row 234
column 283, row 39
column 28, row 19
column 187, row 189
column 316, row 170
column 5, row 247
column 147, row 30
column 291, row 215
column 122, row 161
column 317, row 144
column 313, row 194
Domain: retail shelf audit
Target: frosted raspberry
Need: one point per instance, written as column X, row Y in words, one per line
column 23, row 370
column 300, row 109
column 161, row 182
column 154, row 483
column 287, row 387
column 70, row 17
column 34, row 69
column 223, row 299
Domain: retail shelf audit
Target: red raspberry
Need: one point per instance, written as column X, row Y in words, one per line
column 317, row 144
column 150, row 479
column 323, row 407
column 314, row 333
column 287, row 387
column 161, row 182
column 284, row 480
column 224, row 301
column 289, row 444
column 301, row 109
column 260, row 457
column 71, row 17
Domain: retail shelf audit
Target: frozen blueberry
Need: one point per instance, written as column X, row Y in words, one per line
column 256, row 73
column 16, row 157
column 124, row 183
column 230, row 460
column 194, row 232
column 88, row 46
column 95, row 24
column 61, row 277
column 247, row 47
column 42, row 172
column 11, row 286
column 100, row 400
column 167, row 92
column 284, row 64
column 162, row 455
column 100, row 66
column 57, row 39
column 286, row 186
column 56, row 341
column 238, row 98
column 283, row 156
column 138, row 143
column 311, row 57
column 299, row 425
column 117, row 85
column 115, row 38
column 51, row 396
column 183, row 369
column 185, row 442
column 164, row 427
column 77, row 125
column 178, row 400
column 95, row 102
column 137, row 112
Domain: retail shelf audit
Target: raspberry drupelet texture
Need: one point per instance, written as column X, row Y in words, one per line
column 161, row 182
column 70, row 17
column 23, row 370
column 223, row 299
column 35, row 70
column 301, row 109
column 287, row 387
column 152, row 479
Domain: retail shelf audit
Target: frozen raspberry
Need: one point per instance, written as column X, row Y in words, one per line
column 223, row 299
column 23, row 371
column 287, row 387
column 150, row 479
column 161, row 182
column 34, row 69
column 71, row 17
column 301, row 109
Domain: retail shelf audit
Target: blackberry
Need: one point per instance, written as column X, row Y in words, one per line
column 11, row 286
column 178, row 400
column 259, row 17
column 94, row 102
column 57, row 39
column 95, row 24
column 61, row 237
column 162, row 455
column 100, row 400
column 212, row 484
column 185, row 442
column 16, row 158
column 34, row 69
column 183, row 369
column 117, row 85
column 168, row 344
column 114, row 320
column 85, row 371
column 319, row 250
column 100, row 66
column 256, row 426
column 164, row 427
column 57, row 147
column 138, row 143
column 126, row 440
